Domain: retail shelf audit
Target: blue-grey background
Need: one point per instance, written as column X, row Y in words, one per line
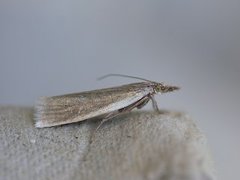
column 52, row 47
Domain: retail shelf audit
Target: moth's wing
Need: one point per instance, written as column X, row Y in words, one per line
column 57, row 110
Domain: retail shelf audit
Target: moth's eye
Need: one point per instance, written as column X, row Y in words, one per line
column 158, row 88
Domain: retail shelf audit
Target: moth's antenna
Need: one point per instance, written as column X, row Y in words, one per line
column 122, row 75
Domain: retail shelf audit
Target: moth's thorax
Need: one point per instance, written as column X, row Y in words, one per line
column 154, row 87
column 149, row 87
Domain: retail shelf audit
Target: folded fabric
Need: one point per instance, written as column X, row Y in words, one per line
column 137, row 145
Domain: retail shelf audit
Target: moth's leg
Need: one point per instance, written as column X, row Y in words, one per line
column 107, row 117
column 143, row 103
column 117, row 113
column 137, row 104
column 155, row 105
column 140, row 102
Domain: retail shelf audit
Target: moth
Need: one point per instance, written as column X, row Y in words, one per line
column 106, row 103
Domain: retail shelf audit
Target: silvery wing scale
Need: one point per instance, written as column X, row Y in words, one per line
column 107, row 103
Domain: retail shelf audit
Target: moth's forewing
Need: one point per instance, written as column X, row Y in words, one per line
column 64, row 109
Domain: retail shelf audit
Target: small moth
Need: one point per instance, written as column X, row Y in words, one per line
column 106, row 103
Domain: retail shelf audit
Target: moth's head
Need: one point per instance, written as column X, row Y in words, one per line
column 161, row 88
